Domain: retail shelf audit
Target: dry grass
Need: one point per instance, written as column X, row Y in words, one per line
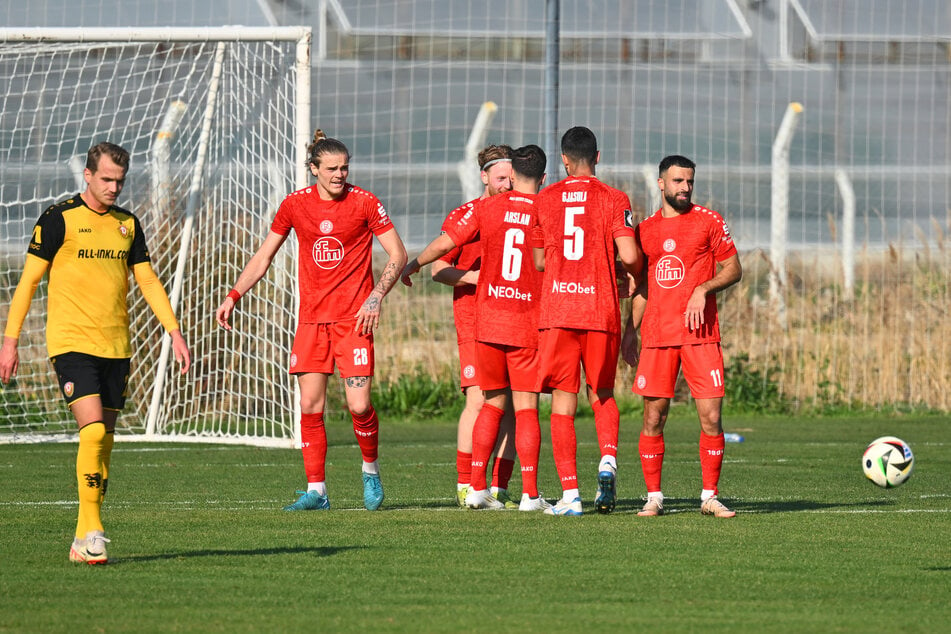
column 889, row 345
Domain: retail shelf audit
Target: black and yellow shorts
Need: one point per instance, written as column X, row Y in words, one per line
column 83, row 375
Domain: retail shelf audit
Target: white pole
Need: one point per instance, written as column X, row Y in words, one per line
column 77, row 166
column 302, row 178
column 653, row 189
column 194, row 194
column 161, row 153
column 844, row 184
column 780, row 210
column 469, row 175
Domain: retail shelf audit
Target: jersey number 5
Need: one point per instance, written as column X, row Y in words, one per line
column 574, row 235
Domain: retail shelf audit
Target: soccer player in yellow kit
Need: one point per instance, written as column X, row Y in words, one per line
column 88, row 242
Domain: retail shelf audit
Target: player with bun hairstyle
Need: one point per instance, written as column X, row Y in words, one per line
column 460, row 269
column 340, row 305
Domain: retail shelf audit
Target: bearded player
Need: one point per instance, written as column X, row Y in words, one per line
column 690, row 258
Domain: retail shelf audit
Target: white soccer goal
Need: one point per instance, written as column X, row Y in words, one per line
column 217, row 123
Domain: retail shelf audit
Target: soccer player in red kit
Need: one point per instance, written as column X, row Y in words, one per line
column 460, row 269
column 335, row 223
column 506, row 322
column 581, row 224
column 690, row 258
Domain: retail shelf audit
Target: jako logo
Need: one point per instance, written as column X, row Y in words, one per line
column 669, row 271
column 328, row 252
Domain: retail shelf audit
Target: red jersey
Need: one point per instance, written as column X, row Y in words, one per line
column 578, row 220
column 682, row 252
column 336, row 249
column 506, row 296
column 466, row 257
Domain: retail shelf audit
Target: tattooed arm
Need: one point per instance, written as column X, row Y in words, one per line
column 368, row 317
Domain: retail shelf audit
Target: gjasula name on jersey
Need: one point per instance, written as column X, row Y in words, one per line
column 574, row 197
column 508, row 292
column 571, row 287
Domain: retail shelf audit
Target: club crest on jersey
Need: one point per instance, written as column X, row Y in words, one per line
column 68, row 389
column 669, row 271
column 326, row 226
column 328, row 252
column 123, row 231
column 469, row 371
column 670, row 245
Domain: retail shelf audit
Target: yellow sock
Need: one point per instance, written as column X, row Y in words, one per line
column 89, row 478
column 107, row 443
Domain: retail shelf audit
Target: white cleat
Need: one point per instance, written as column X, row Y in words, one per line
column 570, row 508
column 533, row 504
column 483, row 500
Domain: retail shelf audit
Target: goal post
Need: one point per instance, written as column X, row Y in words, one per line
column 217, row 122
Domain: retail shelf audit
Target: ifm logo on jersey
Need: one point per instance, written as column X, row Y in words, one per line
column 670, row 269
column 328, row 252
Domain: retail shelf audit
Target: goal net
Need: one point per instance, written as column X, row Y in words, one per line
column 216, row 121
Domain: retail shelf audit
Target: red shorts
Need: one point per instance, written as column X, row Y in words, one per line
column 506, row 366
column 702, row 366
column 317, row 347
column 467, row 365
column 562, row 349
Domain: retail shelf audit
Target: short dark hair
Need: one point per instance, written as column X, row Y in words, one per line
column 580, row 144
column 118, row 155
column 529, row 161
column 321, row 145
column 675, row 160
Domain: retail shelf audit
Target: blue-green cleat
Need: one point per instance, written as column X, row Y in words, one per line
column 372, row 491
column 309, row 501
column 606, row 497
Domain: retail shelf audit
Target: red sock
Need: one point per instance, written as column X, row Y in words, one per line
column 564, row 446
column 484, row 432
column 607, row 422
column 463, row 467
column 366, row 428
column 651, row 449
column 711, row 460
column 528, row 440
column 502, row 472
column 313, row 440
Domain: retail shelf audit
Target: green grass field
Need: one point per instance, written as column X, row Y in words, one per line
column 200, row 543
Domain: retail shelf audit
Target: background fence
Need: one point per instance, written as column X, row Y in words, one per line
column 402, row 82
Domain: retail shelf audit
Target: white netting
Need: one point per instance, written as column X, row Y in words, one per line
column 153, row 98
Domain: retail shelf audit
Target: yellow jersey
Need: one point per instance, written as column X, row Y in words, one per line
column 90, row 256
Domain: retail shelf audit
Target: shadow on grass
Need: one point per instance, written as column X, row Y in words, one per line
column 320, row 551
column 681, row 505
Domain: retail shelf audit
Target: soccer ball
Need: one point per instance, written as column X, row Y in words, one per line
column 888, row 461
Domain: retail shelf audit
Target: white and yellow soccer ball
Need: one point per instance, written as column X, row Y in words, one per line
column 888, row 461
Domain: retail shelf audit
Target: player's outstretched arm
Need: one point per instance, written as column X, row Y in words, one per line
column 368, row 317
column 447, row 274
column 252, row 273
column 33, row 271
column 439, row 247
